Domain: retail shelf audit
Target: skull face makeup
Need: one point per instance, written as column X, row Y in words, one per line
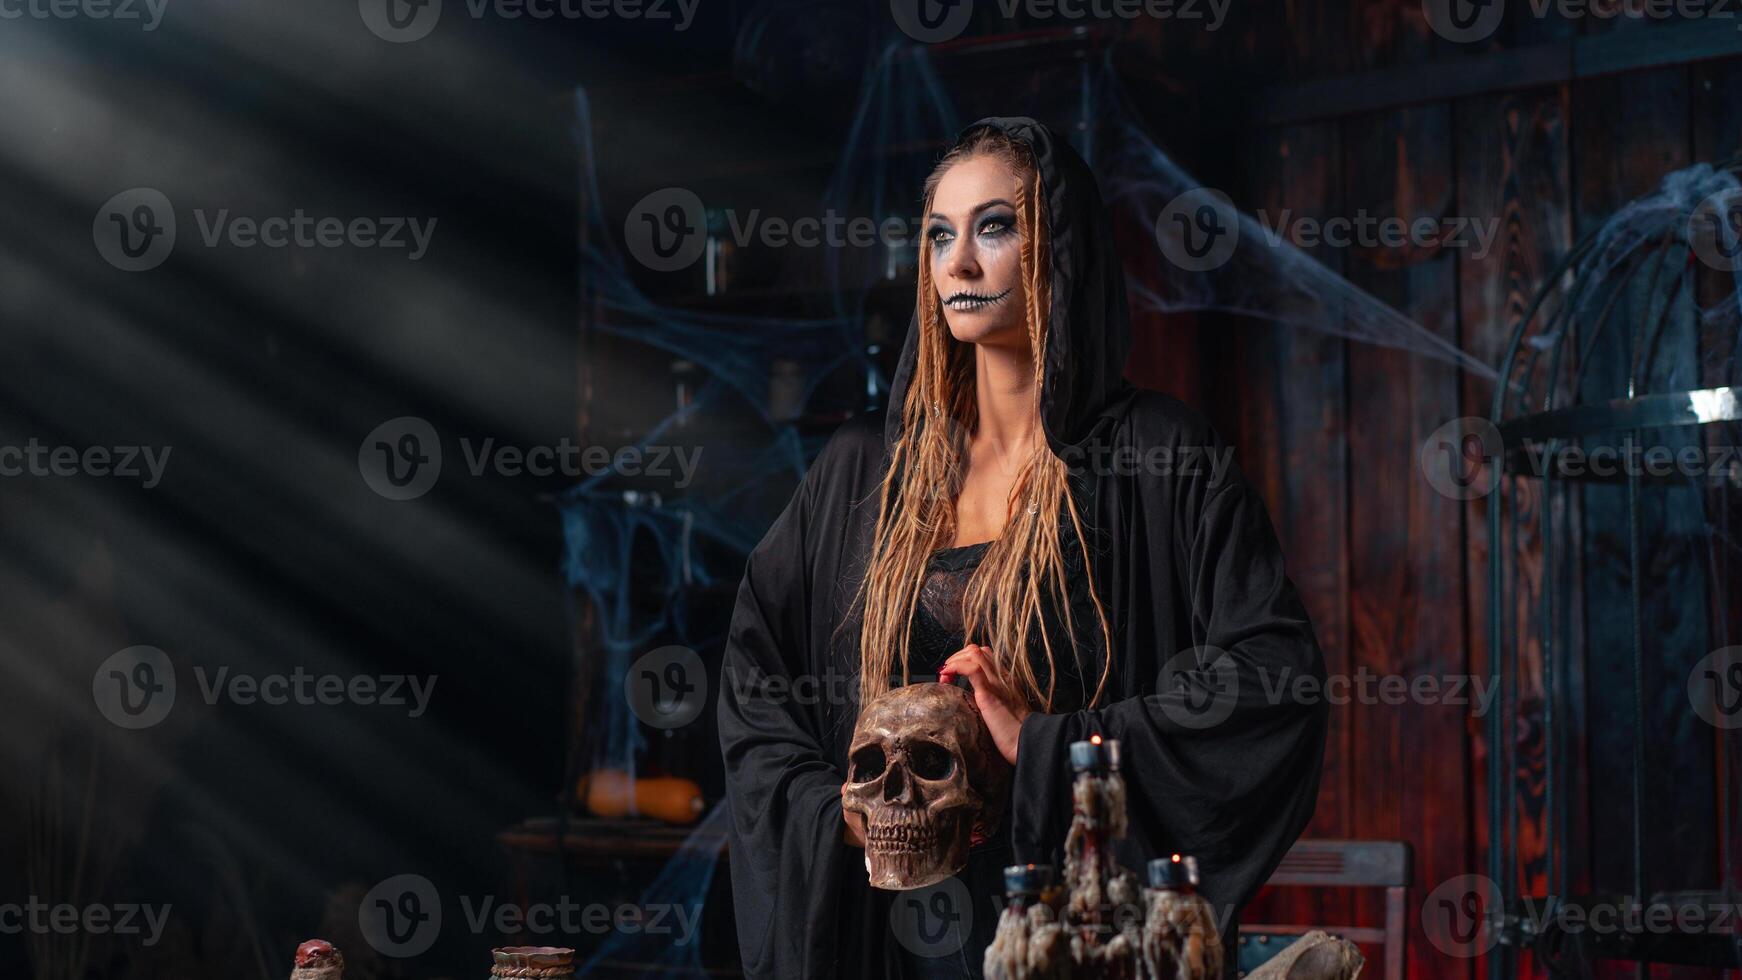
column 923, row 771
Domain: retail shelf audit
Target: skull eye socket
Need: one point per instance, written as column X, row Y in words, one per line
column 930, row 761
column 867, row 764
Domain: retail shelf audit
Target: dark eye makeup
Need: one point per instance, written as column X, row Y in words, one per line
column 996, row 223
column 992, row 225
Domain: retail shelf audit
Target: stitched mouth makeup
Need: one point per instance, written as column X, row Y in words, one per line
column 967, row 301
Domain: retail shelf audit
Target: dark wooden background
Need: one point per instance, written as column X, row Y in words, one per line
column 1336, row 109
column 1549, row 126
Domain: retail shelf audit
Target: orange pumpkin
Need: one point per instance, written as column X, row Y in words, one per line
column 611, row 793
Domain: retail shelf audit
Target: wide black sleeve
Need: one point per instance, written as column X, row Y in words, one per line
column 782, row 788
column 1223, row 740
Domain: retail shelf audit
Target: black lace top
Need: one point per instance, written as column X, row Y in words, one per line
column 937, row 633
column 937, row 620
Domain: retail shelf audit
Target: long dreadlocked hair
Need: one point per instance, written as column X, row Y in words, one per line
column 1024, row 570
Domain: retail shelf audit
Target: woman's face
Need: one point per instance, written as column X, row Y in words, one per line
column 976, row 252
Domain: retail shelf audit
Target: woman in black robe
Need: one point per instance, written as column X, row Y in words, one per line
column 1165, row 618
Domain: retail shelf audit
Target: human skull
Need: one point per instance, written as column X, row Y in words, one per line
column 923, row 771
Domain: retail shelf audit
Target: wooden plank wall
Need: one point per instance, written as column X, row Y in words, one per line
column 1394, row 574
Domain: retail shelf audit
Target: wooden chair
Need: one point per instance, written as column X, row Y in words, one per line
column 1339, row 864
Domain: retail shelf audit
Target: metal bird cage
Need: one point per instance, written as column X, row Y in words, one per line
column 1615, row 596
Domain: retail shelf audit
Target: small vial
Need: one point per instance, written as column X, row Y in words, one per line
column 1178, row 873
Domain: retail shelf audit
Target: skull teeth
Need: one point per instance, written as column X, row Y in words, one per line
column 901, row 837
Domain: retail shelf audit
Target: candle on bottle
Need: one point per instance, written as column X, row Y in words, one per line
column 1177, row 872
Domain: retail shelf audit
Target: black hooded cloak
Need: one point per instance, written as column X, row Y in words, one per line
column 1221, row 758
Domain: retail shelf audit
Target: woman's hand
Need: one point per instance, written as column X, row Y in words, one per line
column 852, row 824
column 1001, row 707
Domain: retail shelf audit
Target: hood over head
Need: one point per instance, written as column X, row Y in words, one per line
column 1089, row 332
